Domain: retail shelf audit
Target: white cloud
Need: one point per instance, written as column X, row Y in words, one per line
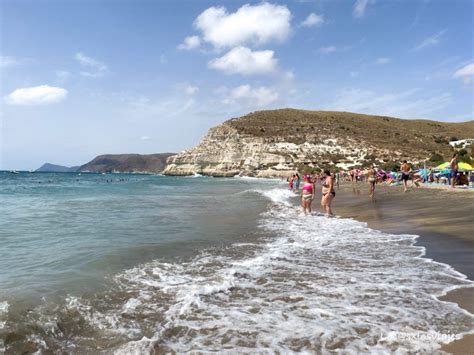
column 254, row 96
column 7, row 61
column 163, row 59
column 190, row 42
column 186, row 88
column 411, row 103
column 257, row 25
column 354, row 74
column 242, row 60
column 191, row 90
column 145, row 138
column 96, row 69
column 328, row 50
column 62, row 76
column 37, row 95
column 359, row 8
column 430, row 41
column 313, row 20
column 466, row 73
column 382, row 60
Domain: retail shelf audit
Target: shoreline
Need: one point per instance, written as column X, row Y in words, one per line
column 442, row 221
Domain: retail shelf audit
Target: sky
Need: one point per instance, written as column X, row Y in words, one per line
column 83, row 78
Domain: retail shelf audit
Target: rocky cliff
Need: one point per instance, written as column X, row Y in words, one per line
column 278, row 142
column 150, row 163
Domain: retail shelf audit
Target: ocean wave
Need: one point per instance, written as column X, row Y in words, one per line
column 313, row 284
column 275, row 195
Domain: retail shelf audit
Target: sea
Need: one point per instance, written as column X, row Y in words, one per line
column 142, row 264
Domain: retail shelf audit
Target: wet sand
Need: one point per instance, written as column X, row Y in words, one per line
column 444, row 220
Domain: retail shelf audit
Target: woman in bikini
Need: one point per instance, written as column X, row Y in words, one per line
column 372, row 178
column 328, row 193
column 307, row 194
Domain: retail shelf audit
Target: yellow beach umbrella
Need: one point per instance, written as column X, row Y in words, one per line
column 461, row 166
column 464, row 166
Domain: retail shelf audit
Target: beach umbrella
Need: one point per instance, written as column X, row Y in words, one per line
column 443, row 166
column 465, row 166
column 461, row 166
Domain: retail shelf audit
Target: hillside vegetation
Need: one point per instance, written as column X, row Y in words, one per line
column 415, row 139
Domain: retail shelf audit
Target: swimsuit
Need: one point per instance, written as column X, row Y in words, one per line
column 307, row 192
column 405, row 176
column 332, row 192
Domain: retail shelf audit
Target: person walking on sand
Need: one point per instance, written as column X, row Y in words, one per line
column 372, row 178
column 328, row 193
column 307, row 194
column 406, row 170
column 352, row 174
column 454, row 170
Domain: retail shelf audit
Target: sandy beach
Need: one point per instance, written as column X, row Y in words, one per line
column 442, row 218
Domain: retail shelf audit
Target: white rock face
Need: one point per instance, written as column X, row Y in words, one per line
column 226, row 152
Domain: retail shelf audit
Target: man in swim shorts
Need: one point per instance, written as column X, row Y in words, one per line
column 405, row 168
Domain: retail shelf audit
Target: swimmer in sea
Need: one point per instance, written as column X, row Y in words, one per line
column 328, row 193
column 307, row 194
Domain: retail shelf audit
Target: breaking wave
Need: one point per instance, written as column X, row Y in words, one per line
column 310, row 284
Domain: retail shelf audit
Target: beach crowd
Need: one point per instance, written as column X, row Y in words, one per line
column 306, row 185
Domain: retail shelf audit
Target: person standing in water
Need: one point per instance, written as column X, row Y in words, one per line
column 297, row 182
column 454, row 170
column 307, row 194
column 337, row 177
column 406, row 170
column 328, row 193
column 372, row 179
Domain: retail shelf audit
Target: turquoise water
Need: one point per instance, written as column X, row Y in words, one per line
column 65, row 232
column 142, row 264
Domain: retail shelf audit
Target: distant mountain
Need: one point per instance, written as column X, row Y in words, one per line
column 151, row 163
column 53, row 168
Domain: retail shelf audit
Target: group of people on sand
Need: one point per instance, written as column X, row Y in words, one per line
column 308, row 189
column 306, row 185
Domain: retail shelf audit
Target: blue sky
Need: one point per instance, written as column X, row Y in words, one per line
column 82, row 78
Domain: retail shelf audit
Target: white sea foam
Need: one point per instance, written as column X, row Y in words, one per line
column 317, row 285
column 276, row 195
column 313, row 285
column 3, row 313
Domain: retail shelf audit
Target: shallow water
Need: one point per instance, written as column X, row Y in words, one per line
column 186, row 264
